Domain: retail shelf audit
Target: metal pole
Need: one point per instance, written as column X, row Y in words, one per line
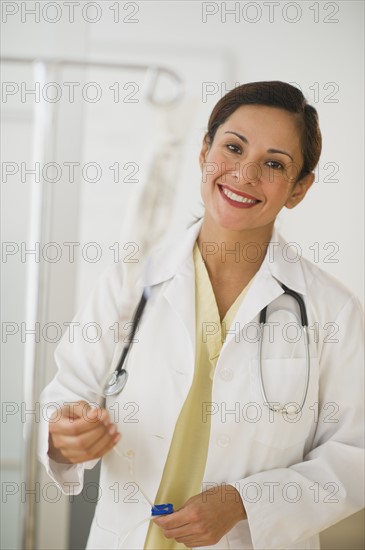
column 36, row 301
column 37, row 273
column 157, row 70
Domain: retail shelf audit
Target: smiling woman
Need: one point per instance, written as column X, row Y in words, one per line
column 262, row 145
column 282, row 96
column 241, row 472
column 252, row 167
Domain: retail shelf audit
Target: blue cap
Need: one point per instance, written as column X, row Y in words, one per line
column 162, row 509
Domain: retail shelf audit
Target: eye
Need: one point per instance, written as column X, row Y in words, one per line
column 275, row 165
column 233, row 147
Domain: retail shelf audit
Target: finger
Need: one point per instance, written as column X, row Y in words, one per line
column 81, row 452
column 96, row 451
column 63, row 427
column 75, row 409
column 82, row 437
column 94, row 415
column 83, row 409
column 173, row 521
column 181, row 532
column 192, row 542
column 74, row 426
column 105, row 444
column 185, row 535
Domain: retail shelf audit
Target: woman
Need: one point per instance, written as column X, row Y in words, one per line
column 193, row 418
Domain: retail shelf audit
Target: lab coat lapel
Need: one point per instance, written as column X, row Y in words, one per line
column 277, row 268
column 173, row 266
column 283, row 263
column 264, row 290
column 180, row 294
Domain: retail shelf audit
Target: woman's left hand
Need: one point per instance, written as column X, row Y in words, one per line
column 205, row 518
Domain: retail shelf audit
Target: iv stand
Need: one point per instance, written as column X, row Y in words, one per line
column 37, row 277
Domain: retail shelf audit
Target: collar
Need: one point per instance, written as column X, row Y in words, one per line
column 283, row 263
column 167, row 260
column 282, row 260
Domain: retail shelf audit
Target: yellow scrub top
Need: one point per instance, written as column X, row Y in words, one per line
column 184, row 469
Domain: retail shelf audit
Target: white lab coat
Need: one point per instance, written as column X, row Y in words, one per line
column 297, row 475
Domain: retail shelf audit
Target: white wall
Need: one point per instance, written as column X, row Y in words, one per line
column 324, row 58
column 316, row 52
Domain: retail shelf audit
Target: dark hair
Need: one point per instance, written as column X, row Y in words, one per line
column 273, row 94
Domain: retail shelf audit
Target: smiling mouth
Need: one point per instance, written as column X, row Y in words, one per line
column 237, row 198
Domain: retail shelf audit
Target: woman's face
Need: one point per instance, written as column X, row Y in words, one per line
column 250, row 169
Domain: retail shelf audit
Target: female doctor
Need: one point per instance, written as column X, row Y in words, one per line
column 254, row 439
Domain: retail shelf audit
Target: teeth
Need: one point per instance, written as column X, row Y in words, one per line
column 237, row 198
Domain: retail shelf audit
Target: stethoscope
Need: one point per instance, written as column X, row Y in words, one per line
column 289, row 408
column 119, row 377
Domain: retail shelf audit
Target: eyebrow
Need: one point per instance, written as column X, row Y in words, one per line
column 245, row 140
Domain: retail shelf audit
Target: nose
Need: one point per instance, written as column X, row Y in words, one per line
column 246, row 173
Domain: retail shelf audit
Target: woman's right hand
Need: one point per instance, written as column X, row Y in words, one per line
column 79, row 432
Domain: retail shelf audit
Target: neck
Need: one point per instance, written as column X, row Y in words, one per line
column 233, row 253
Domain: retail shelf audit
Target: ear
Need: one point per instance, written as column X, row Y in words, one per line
column 300, row 190
column 204, row 151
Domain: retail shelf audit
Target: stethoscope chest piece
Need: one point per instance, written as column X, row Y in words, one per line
column 116, row 383
column 118, row 379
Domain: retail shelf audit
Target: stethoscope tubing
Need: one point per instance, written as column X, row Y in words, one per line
column 118, row 379
column 289, row 408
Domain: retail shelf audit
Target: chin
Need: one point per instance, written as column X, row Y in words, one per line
column 229, row 223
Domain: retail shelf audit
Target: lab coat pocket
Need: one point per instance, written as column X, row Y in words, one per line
column 284, row 381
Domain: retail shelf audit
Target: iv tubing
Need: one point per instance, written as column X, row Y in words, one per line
column 130, row 456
